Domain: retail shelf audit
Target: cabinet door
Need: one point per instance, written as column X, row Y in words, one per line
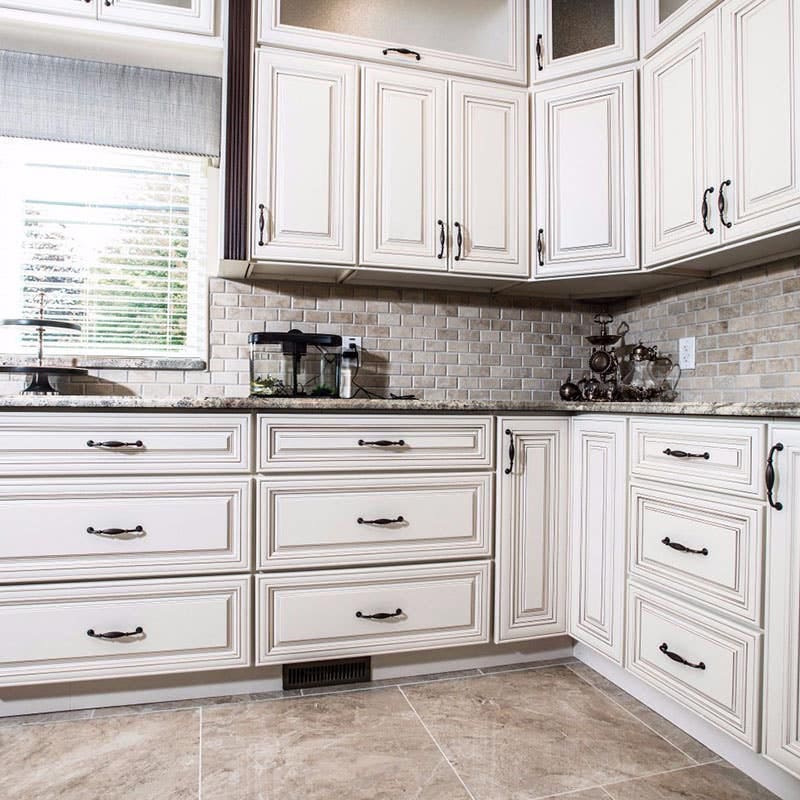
column 761, row 115
column 189, row 16
column 530, row 583
column 72, row 8
column 404, row 169
column 489, row 179
column 305, row 159
column 782, row 656
column 573, row 36
column 681, row 146
column 586, row 177
column 663, row 19
column 597, row 534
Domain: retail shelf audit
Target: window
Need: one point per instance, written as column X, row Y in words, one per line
column 115, row 239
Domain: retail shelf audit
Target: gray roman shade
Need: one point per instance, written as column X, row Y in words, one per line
column 68, row 100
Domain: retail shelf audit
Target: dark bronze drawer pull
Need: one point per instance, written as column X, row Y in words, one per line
column 381, row 521
column 459, row 240
column 442, row 238
column 721, row 203
column 404, row 51
column 114, row 531
column 682, row 547
column 664, row 648
column 704, row 209
column 769, row 476
column 539, row 52
column 382, row 443
column 261, row 224
column 114, row 444
column 684, row 454
column 381, row 615
column 114, row 634
column 512, row 451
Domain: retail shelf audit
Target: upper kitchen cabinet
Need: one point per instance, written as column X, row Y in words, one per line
column 663, row 19
column 573, row 36
column 305, row 159
column 189, row 16
column 71, row 8
column 586, row 215
column 478, row 38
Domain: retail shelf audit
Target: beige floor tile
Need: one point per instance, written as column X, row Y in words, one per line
column 520, row 735
column 356, row 745
column 120, row 758
column 588, row 794
column 711, row 782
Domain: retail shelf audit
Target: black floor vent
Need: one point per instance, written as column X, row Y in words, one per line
column 327, row 673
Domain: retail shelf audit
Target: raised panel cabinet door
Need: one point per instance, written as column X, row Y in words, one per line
column 661, row 20
column 597, row 534
column 681, row 158
column 489, row 178
column 404, row 219
column 530, row 583
column 586, row 177
column 72, row 8
column 761, row 116
column 188, row 16
column 305, row 159
column 782, row 656
column 573, row 36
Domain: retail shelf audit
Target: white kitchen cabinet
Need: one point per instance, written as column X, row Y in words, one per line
column 681, row 161
column 489, row 180
column 189, row 16
column 478, row 38
column 782, row 656
column 573, row 36
column 530, row 585
column 761, row 116
column 586, row 216
column 305, row 158
column 72, row 8
column 661, row 20
column 597, row 533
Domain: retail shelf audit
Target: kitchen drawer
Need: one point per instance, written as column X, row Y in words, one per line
column 292, row 443
column 315, row 615
column 188, row 625
column 187, row 525
column 722, row 456
column 58, row 443
column 329, row 521
column 723, row 565
column 726, row 690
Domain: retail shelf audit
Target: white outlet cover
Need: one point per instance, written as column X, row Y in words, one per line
column 686, row 352
column 347, row 341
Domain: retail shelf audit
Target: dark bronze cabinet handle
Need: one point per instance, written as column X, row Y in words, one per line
column 381, row 615
column 721, row 203
column 769, row 476
column 459, row 239
column 664, row 648
column 114, row 634
column 262, row 222
column 404, row 51
column 382, row 443
column 114, row 531
column 539, row 52
column 684, row 454
column 442, row 238
column 512, row 451
column 380, row 521
column 540, row 246
column 115, row 445
column 682, row 547
column 704, row 209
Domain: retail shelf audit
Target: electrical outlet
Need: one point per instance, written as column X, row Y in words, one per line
column 686, row 353
column 348, row 342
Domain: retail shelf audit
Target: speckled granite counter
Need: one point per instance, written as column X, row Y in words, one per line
column 95, row 403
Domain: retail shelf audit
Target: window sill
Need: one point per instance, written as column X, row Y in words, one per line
column 111, row 362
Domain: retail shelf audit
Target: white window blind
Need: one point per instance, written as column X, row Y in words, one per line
column 116, row 239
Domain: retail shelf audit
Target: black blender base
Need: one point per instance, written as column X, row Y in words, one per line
column 40, row 384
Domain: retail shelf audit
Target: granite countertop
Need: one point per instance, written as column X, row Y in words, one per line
column 90, row 403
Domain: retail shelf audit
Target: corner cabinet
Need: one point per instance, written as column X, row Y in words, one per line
column 481, row 39
column 530, row 577
column 586, row 216
column 305, row 159
column 597, row 533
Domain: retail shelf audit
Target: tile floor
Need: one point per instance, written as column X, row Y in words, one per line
column 558, row 730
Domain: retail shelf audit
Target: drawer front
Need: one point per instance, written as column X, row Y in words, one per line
column 351, row 442
column 726, row 457
column 58, row 443
column 726, row 691
column 173, row 526
column 723, row 563
column 315, row 614
column 188, row 625
column 361, row 519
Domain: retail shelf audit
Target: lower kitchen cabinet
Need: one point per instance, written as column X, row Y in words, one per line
column 530, row 590
column 597, row 533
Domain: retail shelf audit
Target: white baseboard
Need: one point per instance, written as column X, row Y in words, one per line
column 753, row 764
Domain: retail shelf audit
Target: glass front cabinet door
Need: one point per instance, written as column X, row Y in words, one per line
column 71, row 8
column 661, row 20
column 573, row 36
column 188, row 16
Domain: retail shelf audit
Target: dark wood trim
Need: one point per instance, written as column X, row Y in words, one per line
column 237, row 142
